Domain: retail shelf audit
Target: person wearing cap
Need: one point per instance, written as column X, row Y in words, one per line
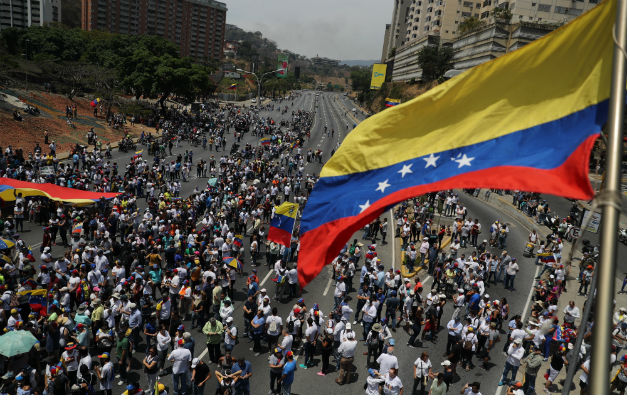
column 585, row 280
column 181, row 358
column 374, row 382
column 515, row 354
column 258, row 326
column 276, row 364
column 105, row 373
column 516, row 389
column 346, row 350
column 70, row 361
column 288, row 373
column 620, row 337
column 200, row 375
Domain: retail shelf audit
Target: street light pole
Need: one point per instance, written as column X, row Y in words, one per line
column 258, row 80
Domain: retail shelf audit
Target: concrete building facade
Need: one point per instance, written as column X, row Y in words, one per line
column 197, row 27
column 497, row 34
column 25, row 13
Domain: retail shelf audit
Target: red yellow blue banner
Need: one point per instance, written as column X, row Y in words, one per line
column 10, row 188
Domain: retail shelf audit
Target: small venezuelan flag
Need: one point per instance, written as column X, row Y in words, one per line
column 233, row 86
column 391, row 102
column 265, row 141
column 282, row 223
column 238, row 240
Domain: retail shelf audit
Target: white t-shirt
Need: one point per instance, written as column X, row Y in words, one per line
column 181, row 360
column 274, row 325
column 107, row 376
column 422, row 367
column 392, row 385
column 228, row 339
column 385, row 362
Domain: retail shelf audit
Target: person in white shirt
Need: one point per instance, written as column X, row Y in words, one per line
column 393, row 385
column 571, row 312
column 374, row 380
column 386, row 361
column 273, row 323
column 346, row 350
column 181, row 359
column 422, row 372
column 513, row 362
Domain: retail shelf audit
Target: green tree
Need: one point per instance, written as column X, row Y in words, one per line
column 470, row 24
column 434, row 61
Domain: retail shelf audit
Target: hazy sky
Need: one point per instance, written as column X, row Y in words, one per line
column 339, row 29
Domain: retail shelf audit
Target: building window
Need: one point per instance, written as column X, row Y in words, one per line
column 468, row 4
column 544, row 7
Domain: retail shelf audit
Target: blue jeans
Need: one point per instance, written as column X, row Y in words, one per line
column 509, row 281
column 179, row 383
column 286, row 388
column 367, row 326
column 509, row 367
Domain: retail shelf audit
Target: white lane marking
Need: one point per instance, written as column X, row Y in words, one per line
column 327, row 287
column 266, row 277
column 425, row 279
column 203, row 353
column 393, row 239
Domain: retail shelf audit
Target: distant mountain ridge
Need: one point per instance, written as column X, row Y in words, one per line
column 360, row 63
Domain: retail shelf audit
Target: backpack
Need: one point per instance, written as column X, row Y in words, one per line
column 468, row 344
column 291, row 327
column 373, row 341
column 273, row 326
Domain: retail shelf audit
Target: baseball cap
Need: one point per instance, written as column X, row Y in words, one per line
column 194, row 363
column 104, row 355
column 518, row 384
column 228, row 320
column 289, row 354
column 371, row 372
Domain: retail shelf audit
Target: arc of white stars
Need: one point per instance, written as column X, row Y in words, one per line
column 463, row 160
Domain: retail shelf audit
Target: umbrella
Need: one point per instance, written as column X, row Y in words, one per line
column 6, row 244
column 232, row 262
column 212, row 182
column 14, row 343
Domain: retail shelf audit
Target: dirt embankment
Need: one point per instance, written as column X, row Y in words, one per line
column 27, row 133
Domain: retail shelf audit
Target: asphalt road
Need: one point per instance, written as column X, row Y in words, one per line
column 333, row 111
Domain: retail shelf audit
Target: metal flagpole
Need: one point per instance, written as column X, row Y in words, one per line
column 599, row 371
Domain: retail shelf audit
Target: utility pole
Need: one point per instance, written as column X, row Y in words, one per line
column 599, row 375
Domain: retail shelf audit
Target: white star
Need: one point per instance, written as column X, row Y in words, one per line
column 406, row 169
column 431, row 160
column 464, row 160
column 383, row 185
column 365, row 206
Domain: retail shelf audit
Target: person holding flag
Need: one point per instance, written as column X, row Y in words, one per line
column 282, row 223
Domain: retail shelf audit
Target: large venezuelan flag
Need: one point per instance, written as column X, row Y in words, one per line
column 282, row 223
column 525, row 121
column 9, row 189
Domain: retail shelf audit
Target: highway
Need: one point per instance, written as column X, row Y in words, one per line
column 333, row 112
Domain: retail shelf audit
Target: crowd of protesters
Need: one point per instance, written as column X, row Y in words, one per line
column 141, row 272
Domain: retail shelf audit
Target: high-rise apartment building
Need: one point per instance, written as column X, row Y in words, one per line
column 25, row 13
column 424, row 19
column 196, row 26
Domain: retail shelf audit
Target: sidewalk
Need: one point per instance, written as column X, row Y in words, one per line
column 504, row 203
